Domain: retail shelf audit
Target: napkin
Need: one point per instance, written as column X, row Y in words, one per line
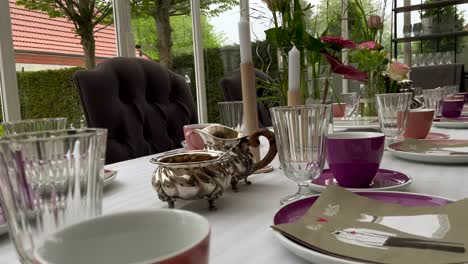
column 424, row 146
column 350, row 226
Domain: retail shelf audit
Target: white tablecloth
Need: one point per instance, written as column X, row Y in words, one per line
column 241, row 230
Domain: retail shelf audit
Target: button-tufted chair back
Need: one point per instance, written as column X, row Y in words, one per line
column 142, row 104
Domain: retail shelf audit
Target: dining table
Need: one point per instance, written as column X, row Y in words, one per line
column 241, row 226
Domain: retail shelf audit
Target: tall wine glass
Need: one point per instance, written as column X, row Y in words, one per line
column 300, row 136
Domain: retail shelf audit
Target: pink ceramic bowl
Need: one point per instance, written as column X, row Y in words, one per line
column 339, row 109
column 465, row 95
column 166, row 236
column 193, row 139
column 419, row 122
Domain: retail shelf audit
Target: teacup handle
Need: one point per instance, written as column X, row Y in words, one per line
column 255, row 142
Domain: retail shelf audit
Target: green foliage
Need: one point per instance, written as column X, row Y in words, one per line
column 144, row 29
column 98, row 11
column 327, row 17
column 88, row 17
column 50, row 93
column 182, row 7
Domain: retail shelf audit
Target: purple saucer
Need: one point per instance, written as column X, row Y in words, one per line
column 294, row 210
column 383, row 180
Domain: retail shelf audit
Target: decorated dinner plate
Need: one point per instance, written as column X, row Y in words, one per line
column 109, row 176
column 459, row 122
column 431, row 151
column 384, row 180
column 295, row 210
column 357, row 123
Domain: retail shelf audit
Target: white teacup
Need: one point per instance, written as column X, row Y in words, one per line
column 150, row 236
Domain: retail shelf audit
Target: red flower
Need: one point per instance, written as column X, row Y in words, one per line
column 370, row 45
column 341, row 42
column 348, row 72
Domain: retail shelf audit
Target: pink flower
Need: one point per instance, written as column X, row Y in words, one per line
column 375, row 22
column 397, row 71
column 348, row 72
column 369, row 45
column 341, row 42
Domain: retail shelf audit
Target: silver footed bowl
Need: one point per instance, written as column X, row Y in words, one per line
column 191, row 175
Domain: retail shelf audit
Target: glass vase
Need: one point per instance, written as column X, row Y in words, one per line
column 316, row 90
column 368, row 90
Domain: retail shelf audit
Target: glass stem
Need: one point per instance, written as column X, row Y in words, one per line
column 303, row 188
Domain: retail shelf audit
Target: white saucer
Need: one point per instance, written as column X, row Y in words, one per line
column 442, row 156
column 450, row 124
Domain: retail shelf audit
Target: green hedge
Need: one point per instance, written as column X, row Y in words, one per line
column 214, row 72
column 50, row 93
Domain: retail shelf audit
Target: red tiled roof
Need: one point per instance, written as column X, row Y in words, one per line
column 34, row 31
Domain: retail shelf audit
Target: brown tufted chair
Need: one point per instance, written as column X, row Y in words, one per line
column 143, row 105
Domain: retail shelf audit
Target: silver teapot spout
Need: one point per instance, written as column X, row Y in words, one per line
column 218, row 137
column 222, row 138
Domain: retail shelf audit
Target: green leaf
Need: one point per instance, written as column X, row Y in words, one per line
column 313, row 44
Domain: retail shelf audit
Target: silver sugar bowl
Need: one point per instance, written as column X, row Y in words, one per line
column 191, row 175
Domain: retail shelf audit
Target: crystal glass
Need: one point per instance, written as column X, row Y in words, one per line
column 393, row 111
column 352, row 103
column 34, row 125
column 232, row 114
column 300, row 136
column 417, row 91
column 433, row 100
column 49, row 180
column 451, row 89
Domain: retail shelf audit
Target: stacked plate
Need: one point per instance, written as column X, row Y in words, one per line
column 459, row 122
column 432, row 151
column 295, row 210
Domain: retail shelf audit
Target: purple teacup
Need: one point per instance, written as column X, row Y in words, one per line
column 354, row 157
column 452, row 107
column 465, row 94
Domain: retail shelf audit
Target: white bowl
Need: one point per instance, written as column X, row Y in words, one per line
column 156, row 236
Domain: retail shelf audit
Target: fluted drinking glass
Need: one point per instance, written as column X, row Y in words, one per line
column 34, row 125
column 451, row 90
column 300, row 133
column 352, row 102
column 49, row 180
column 393, row 113
column 433, row 100
column 232, row 114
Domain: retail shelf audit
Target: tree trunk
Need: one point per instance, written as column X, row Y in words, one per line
column 164, row 33
column 89, row 47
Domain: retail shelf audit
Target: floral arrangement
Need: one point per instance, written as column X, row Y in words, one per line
column 289, row 29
